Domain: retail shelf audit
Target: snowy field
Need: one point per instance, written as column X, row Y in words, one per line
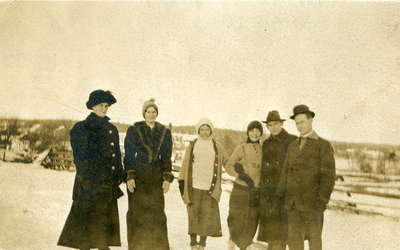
column 34, row 203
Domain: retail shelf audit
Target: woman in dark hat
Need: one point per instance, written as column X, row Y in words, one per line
column 148, row 148
column 245, row 165
column 93, row 221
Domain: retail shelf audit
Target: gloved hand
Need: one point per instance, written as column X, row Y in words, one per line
column 238, row 168
column 243, row 176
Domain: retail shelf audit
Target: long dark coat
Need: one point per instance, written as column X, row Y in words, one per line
column 273, row 222
column 147, row 161
column 93, row 220
column 309, row 174
column 306, row 184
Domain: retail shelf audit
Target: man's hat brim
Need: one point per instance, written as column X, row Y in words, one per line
column 280, row 120
column 305, row 112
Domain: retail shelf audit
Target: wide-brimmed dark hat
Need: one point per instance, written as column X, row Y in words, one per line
column 273, row 116
column 301, row 109
column 100, row 96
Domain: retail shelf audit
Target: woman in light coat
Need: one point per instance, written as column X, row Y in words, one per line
column 200, row 184
column 245, row 165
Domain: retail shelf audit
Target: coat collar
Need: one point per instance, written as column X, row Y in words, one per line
column 280, row 136
column 248, row 141
column 312, row 135
column 94, row 120
column 143, row 125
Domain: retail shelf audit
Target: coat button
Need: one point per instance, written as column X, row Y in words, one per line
column 112, row 143
column 110, row 131
column 113, row 167
column 113, row 155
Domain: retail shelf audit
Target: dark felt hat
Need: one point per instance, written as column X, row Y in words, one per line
column 301, row 109
column 273, row 116
column 100, row 96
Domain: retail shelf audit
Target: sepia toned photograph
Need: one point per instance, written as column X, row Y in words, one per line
column 192, row 125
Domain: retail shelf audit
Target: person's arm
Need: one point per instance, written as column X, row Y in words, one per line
column 281, row 188
column 130, row 146
column 184, row 168
column 327, row 173
column 235, row 168
column 236, row 156
column 166, row 157
column 121, row 172
column 79, row 144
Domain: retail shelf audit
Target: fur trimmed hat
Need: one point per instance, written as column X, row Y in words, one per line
column 100, row 96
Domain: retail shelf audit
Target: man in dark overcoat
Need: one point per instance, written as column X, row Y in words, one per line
column 93, row 221
column 273, row 222
column 307, row 182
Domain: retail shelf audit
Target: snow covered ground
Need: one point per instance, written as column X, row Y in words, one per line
column 34, row 203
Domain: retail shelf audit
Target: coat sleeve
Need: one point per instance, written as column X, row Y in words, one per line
column 79, row 144
column 236, row 156
column 327, row 172
column 121, row 172
column 130, row 146
column 166, row 157
column 281, row 188
column 185, row 163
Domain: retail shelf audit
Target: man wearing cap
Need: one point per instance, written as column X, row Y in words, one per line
column 273, row 223
column 307, row 182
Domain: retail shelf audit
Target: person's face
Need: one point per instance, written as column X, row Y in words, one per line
column 204, row 131
column 303, row 123
column 150, row 115
column 101, row 109
column 274, row 127
column 254, row 134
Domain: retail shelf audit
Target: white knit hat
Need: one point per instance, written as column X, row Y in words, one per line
column 204, row 121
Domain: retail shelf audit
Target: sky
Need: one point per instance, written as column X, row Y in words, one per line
column 229, row 61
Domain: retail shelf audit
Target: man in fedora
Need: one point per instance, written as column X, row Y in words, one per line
column 273, row 223
column 307, row 182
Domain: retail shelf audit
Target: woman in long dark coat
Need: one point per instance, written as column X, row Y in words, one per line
column 148, row 148
column 93, row 221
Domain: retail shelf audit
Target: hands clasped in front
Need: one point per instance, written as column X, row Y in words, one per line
column 131, row 185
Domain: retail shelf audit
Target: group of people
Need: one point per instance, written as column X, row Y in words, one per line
column 281, row 188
